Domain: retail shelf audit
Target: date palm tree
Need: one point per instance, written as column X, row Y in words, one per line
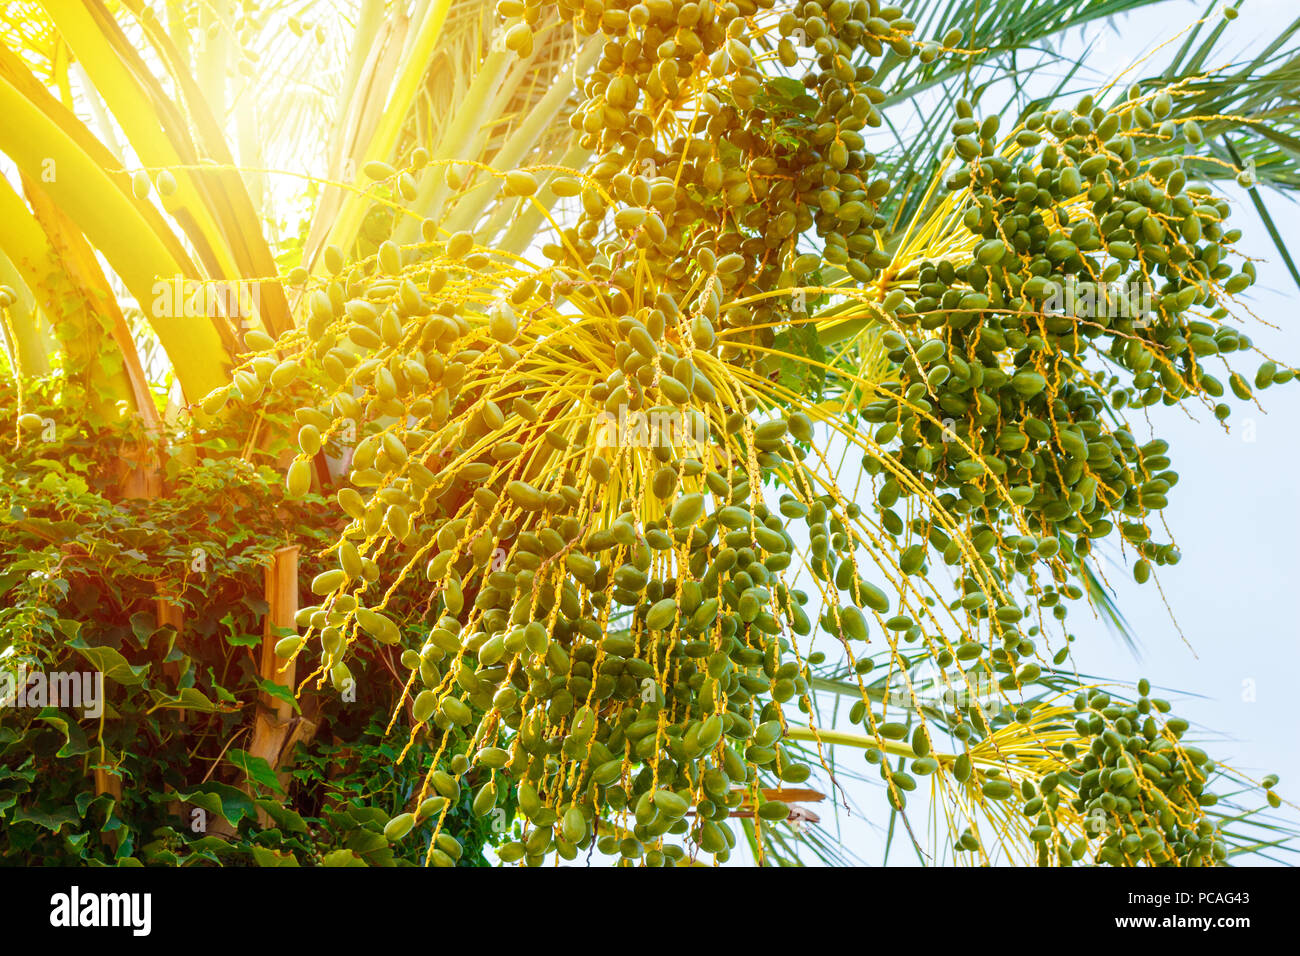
column 827, row 242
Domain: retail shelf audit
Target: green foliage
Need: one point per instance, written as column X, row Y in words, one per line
column 82, row 570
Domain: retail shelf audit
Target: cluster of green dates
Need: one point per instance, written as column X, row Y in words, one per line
column 727, row 201
column 641, row 717
column 521, row 634
column 1081, row 251
column 1140, row 790
column 831, row 166
column 651, row 804
column 1130, row 792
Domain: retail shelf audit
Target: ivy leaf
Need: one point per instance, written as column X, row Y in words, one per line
column 372, row 816
column 159, row 855
column 235, row 638
column 87, row 799
column 341, row 858
column 279, row 691
column 74, row 738
column 268, row 857
column 143, row 627
column 26, row 772
column 373, row 847
column 188, row 699
column 53, row 820
column 285, row 817
column 110, row 663
column 218, row 798
column 209, row 844
column 255, row 768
